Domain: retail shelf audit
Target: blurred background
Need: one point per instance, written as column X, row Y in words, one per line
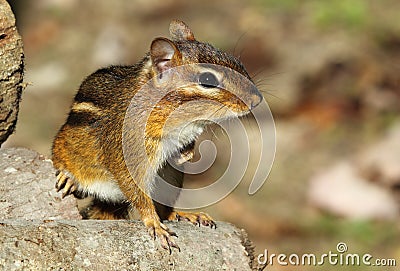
column 329, row 70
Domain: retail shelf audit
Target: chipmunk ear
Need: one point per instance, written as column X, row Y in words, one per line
column 180, row 31
column 164, row 54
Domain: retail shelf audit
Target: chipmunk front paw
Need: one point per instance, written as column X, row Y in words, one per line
column 66, row 184
column 195, row 218
column 158, row 230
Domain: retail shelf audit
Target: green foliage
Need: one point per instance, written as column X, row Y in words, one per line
column 342, row 13
column 352, row 14
column 364, row 233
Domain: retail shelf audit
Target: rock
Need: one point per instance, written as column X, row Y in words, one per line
column 27, row 188
column 117, row 245
column 341, row 191
column 36, row 235
column 11, row 72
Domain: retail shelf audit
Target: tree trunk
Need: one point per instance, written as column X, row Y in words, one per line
column 11, row 71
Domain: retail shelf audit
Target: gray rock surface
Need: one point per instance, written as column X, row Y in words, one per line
column 27, row 190
column 117, row 245
column 35, row 233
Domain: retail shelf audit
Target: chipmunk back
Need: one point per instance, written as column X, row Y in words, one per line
column 88, row 151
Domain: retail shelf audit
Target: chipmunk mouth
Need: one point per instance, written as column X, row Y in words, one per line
column 240, row 103
column 255, row 99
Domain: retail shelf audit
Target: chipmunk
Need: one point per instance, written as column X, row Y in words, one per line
column 88, row 154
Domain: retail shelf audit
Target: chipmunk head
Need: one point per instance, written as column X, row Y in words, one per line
column 200, row 84
column 210, row 73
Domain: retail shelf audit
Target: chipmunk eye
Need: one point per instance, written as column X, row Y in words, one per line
column 208, row 80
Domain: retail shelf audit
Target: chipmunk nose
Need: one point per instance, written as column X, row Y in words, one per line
column 255, row 98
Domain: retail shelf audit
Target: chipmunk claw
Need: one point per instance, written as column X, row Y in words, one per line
column 197, row 219
column 158, row 230
column 65, row 183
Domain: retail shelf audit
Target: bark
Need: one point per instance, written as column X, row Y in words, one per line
column 11, row 71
